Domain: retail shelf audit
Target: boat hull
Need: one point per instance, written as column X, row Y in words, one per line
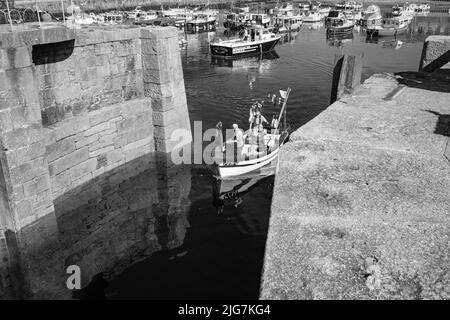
column 244, row 49
column 200, row 24
column 334, row 31
column 239, row 169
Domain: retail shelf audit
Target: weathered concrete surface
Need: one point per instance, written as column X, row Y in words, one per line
column 435, row 54
column 361, row 206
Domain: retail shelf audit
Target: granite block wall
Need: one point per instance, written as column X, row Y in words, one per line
column 74, row 105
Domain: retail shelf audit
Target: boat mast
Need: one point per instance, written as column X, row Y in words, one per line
column 288, row 91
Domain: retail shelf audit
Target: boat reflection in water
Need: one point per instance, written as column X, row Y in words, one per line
column 288, row 37
column 394, row 43
column 231, row 193
column 339, row 40
column 245, row 62
column 315, row 25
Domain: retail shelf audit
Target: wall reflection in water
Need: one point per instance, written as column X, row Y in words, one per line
column 103, row 227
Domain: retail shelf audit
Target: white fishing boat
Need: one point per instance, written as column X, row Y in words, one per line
column 202, row 20
column 260, row 148
column 390, row 27
column 284, row 24
column 371, row 20
column 339, row 26
column 259, row 40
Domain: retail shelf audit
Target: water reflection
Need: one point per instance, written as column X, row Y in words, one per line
column 228, row 192
column 339, row 40
column 222, row 253
column 104, row 226
column 259, row 61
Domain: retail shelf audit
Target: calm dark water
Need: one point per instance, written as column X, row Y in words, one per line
column 150, row 230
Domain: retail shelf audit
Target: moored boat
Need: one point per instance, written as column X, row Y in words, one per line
column 260, row 40
column 284, row 24
column 390, row 27
column 339, row 26
column 202, row 21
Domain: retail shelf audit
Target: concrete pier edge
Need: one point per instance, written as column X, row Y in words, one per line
column 361, row 204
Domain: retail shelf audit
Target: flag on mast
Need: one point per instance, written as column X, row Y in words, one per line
column 283, row 94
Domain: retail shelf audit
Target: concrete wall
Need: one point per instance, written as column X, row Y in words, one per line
column 435, row 53
column 362, row 199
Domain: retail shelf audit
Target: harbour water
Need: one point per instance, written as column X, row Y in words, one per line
column 164, row 233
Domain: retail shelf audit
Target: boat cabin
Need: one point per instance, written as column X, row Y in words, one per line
column 371, row 20
column 288, row 21
column 396, row 22
column 258, row 34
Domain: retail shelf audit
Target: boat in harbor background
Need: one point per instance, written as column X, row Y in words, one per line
column 258, row 40
column 390, row 27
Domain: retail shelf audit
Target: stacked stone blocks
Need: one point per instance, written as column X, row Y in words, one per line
column 102, row 100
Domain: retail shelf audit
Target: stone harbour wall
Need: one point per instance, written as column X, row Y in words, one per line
column 79, row 150
column 75, row 104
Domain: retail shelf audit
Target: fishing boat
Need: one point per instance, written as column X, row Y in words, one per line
column 390, row 27
column 260, row 147
column 339, row 25
column 202, row 21
column 260, row 40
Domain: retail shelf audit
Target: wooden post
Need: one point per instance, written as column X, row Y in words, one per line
column 63, row 13
column 346, row 75
column 9, row 15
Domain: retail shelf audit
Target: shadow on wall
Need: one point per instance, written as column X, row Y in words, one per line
column 436, row 81
column 104, row 226
column 443, row 123
column 52, row 52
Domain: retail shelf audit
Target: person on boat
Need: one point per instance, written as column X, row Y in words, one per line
column 255, row 107
column 274, row 122
column 252, row 34
column 237, row 141
column 252, row 114
column 258, row 121
column 245, row 35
